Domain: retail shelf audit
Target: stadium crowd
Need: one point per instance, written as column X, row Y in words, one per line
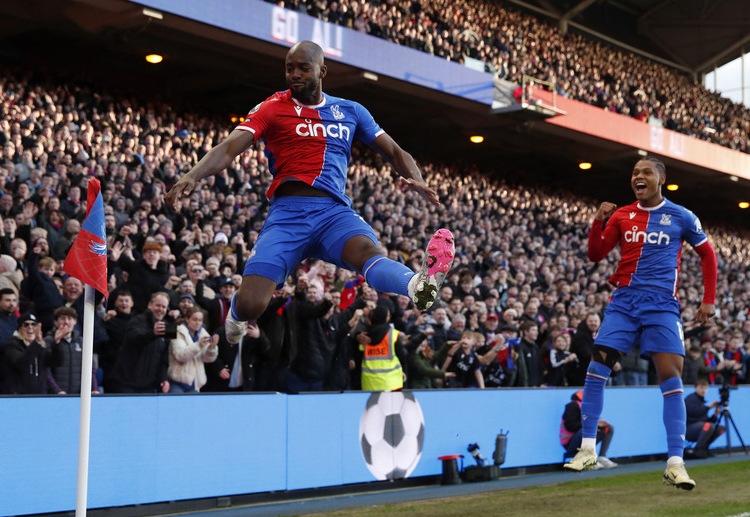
column 513, row 43
column 520, row 307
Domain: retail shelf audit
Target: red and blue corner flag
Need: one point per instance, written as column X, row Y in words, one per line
column 87, row 258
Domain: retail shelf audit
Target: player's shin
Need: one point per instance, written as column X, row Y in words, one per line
column 593, row 399
column 386, row 275
column 674, row 415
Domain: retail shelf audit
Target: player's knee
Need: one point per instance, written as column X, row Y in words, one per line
column 358, row 250
column 249, row 308
column 606, row 355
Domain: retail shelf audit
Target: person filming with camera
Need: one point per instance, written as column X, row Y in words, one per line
column 143, row 359
column 702, row 428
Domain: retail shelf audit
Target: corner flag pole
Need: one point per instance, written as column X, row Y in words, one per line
column 87, row 261
column 85, row 420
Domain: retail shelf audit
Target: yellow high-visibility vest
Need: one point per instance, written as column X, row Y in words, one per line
column 381, row 369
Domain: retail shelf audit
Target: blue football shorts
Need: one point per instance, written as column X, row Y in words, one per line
column 649, row 318
column 300, row 227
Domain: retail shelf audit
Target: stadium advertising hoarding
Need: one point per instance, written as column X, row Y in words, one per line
column 268, row 22
column 149, row 449
column 607, row 125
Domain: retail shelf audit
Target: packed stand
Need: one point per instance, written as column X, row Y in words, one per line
column 513, row 44
column 520, row 307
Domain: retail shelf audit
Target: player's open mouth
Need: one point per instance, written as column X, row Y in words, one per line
column 640, row 186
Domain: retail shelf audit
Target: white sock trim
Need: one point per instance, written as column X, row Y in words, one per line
column 364, row 273
column 412, row 285
column 675, row 460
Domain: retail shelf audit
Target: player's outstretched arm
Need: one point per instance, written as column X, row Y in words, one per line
column 216, row 160
column 709, row 268
column 403, row 162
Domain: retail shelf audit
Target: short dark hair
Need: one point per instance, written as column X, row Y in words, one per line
column 379, row 315
column 65, row 311
column 658, row 164
column 7, row 290
column 123, row 292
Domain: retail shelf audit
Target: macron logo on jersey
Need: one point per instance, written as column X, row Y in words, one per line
column 659, row 238
column 307, row 128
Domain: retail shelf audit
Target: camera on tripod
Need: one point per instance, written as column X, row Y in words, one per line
column 725, row 387
column 724, row 396
column 725, row 416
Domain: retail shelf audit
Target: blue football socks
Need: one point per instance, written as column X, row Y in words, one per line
column 593, row 397
column 387, row 276
column 232, row 309
column 674, row 415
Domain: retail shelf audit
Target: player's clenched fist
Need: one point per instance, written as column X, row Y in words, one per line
column 605, row 210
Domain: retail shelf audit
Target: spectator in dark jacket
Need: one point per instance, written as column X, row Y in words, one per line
column 62, row 246
column 26, row 358
column 8, row 322
column 116, row 323
column 236, row 368
column 582, row 345
column 530, row 363
column 73, row 297
column 40, row 288
column 460, row 357
column 8, row 318
column 440, row 325
column 702, row 428
column 145, row 276
column 423, row 374
column 338, row 327
column 275, row 324
column 142, row 361
column 695, row 367
column 217, row 307
column 65, row 377
column 313, row 351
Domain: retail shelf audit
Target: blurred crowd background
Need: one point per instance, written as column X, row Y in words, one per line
column 521, row 306
column 513, row 44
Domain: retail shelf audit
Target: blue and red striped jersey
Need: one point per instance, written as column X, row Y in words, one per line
column 650, row 240
column 312, row 144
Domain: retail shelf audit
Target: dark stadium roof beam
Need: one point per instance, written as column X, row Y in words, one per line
column 551, row 7
column 689, row 35
column 697, row 33
column 656, row 6
column 726, row 53
column 565, row 18
column 543, row 7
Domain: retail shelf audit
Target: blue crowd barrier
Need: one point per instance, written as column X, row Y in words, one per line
column 148, row 449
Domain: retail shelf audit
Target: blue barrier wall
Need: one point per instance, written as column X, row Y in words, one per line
column 147, row 449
